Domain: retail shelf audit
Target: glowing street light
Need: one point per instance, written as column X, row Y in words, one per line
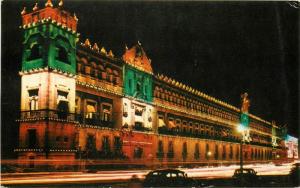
column 277, row 156
column 208, row 155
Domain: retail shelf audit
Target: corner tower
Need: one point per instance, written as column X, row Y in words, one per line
column 47, row 122
column 137, row 104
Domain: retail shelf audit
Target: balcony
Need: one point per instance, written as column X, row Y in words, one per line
column 92, row 119
column 140, row 127
column 46, row 114
column 176, row 132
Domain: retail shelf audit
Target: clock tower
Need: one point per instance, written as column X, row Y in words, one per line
column 47, row 121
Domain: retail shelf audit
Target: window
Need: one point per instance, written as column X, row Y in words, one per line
column 91, row 151
column 138, row 152
column 145, row 91
column 130, row 84
column 90, row 110
column 139, row 111
column 77, row 105
column 62, row 95
column 237, row 156
column 125, row 110
column 161, row 122
column 35, row 52
column 160, row 152
column 266, row 154
column 216, row 152
column 255, row 154
column 32, row 138
column 62, row 55
column 63, row 104
column 105, row 145
column 31, row 161
column 33, row 99
column 106, row 112
column 118, row 146
column 66, row 139
column 170, row 153
column 208, row 153
column 138, row 125
column 58, row 138
column 197, row 151
column 184, row 151
column 224, row 152
column 139, row 88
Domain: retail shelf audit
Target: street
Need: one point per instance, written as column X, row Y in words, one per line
column 270, row 173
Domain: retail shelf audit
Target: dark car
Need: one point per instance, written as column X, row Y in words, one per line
column 294, row 174
column 168, row 178
column 245, row 177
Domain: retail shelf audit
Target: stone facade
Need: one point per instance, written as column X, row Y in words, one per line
column 82, row 102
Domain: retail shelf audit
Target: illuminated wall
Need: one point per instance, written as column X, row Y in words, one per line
column 292, row 145
column 136, row 113
column 48, row 86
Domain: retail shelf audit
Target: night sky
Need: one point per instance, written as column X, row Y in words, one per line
column 221, row 48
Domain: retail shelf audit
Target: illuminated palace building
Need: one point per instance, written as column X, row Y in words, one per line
column 79, row 101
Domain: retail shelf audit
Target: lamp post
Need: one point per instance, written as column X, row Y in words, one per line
column 241, row 152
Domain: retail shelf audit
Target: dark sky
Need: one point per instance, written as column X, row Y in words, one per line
column 220, row 48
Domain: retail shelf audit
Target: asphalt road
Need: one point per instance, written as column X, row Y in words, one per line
column 274, row 176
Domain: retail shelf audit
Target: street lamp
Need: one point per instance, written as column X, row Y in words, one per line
column 241, row 129
column 208, row 155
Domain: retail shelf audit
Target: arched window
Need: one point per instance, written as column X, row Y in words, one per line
column 125, row 110
column 105, row 145
column 63, row 109
column 118, row 146
column 237, row 153
column 90, row 112
column 216, row 151
column 106, row 112
column 33, row 99
column 35, row 52
column 184, row 151
column 138, row 152
column 208, row 153
column 91, row 151
column 170, row 153
column 160, row 151
column 197, row 151
column 224, row 152
column 62, row 55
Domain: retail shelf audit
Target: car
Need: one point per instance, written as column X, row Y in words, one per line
column 168, row 178
column 294, row 174
column 245, row 177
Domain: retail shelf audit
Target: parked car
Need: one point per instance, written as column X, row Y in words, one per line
column 294, row 174
column 245, row 177
column 168, row 178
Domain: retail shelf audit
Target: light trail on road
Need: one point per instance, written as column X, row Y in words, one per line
column 125, row 175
